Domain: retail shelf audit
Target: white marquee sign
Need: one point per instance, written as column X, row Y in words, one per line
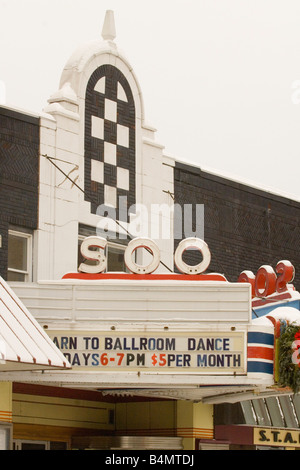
column 204, row 353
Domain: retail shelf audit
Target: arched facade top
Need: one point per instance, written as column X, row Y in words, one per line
column 87, row 59
column 106, row 163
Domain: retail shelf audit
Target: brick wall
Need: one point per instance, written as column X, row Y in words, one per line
column 244, row 227
column 94, row 147
column 19, row 157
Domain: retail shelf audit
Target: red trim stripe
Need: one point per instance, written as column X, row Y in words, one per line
column 260, row 353
column 145, row 277
column 271, row 299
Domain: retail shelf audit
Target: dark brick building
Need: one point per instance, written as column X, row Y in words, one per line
column 19, row 176
column 244, row 227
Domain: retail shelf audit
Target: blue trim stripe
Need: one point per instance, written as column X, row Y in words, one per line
column 262, row 367
column 260, row 338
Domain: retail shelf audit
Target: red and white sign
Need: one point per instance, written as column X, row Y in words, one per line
column 190, row 272
column 268, row 283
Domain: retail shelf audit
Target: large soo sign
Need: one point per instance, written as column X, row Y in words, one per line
column 100, row 262
column 265, row 283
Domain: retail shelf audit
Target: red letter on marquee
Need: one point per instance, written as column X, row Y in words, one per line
column 286, row 272
column 265, row 283
column 248, row 276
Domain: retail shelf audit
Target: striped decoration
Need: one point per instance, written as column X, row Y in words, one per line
column 191, row 432
column 6, row 416
column 197, row 433
column 260, row 352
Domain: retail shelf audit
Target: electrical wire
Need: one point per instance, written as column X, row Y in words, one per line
column 51, row 160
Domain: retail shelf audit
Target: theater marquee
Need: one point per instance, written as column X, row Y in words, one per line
column 205, row 352
column 143, row 329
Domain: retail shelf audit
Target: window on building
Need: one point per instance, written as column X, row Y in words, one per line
column 19, row 256
column 5, row 436
column 115, row 258
column 19, row 444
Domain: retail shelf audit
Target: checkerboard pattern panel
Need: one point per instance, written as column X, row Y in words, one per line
column 109, row 140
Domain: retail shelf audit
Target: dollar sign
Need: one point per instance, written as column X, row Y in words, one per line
column 154, row 361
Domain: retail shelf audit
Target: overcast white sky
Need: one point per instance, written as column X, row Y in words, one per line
column 220, row 78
